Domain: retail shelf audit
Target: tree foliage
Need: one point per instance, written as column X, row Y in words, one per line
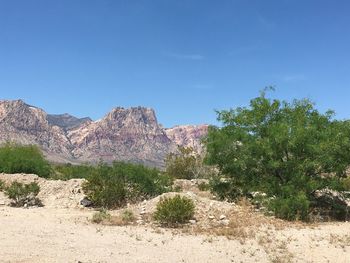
column 69, row 171
column 281, row 148
column 15, row 158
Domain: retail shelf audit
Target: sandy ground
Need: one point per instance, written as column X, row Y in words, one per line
column 67, row 235
column 62, row 231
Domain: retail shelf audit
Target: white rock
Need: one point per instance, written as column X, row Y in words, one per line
column 192, row 221
column 225, row 222
column 222, row 217
column 211, row 217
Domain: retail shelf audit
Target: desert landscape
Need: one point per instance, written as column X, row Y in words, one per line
column 177, row 131
column 62, row 231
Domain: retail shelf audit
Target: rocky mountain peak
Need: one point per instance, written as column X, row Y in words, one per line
column 126, row 134
column 25, row 124
column 131, row 134
column 138, row 115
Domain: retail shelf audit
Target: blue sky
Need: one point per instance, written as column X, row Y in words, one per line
column 184, row 58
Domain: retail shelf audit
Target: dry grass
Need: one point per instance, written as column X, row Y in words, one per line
column 277, row 249
column 243, row 223
column 126, row 217
column 339, row 240
column 246, row 224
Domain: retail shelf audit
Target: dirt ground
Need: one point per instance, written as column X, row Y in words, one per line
column 62, row 231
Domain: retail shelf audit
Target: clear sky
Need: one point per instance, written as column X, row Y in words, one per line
column 184, row 58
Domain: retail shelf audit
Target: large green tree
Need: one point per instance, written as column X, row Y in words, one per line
column 282, row 148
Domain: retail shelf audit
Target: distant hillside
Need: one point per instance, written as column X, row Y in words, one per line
column 66, row 121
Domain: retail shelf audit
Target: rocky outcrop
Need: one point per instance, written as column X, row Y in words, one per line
column 123, row 134
column 188, row 136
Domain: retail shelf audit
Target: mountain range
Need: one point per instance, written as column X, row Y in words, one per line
column 132, row 134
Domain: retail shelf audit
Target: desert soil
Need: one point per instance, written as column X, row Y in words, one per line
column 62, row 231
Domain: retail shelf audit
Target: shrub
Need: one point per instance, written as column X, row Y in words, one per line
column 127, row 216
column 23, row 194
column 182, row 165
column 69, row 171
column 225, row 189
column 187, row 164
column 16, row 158
column 142, row 182
column 100, row 216
column 105, row 188
column 346, row 183
column 291, row 208
column 112, row 186
column 174, row 211
column 275, row 145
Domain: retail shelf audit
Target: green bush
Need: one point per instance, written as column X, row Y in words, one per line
column 105, row 188
column 346, row 183
column 142, row 182
column 16, row 158
column 275, row 146
column 291, row 208
column 23, row 194
column 113, row 186
column 224, row 189
column 174, row 211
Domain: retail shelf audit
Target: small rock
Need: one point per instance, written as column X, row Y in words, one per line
column 211, row 217
column 225, row 222
column 222, row 217
column 140, row 222
column 86, row 202
column 142, row 212
column 192, row 221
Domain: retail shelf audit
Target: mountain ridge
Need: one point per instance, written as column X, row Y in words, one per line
column 125, row 134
